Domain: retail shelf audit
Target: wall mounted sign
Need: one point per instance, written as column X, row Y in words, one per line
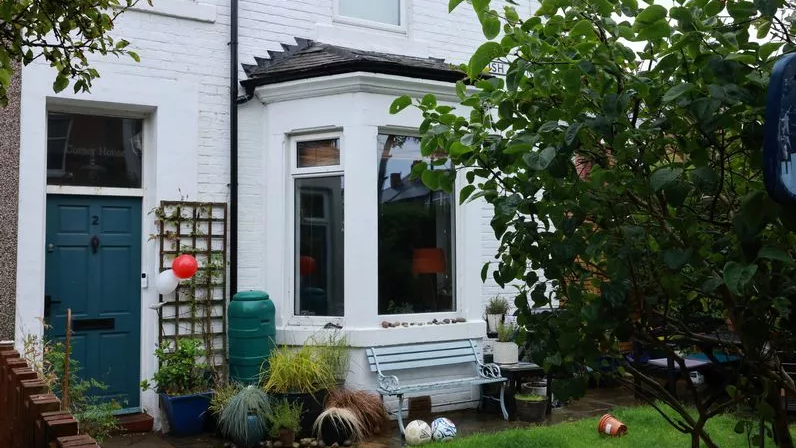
column 779, row 163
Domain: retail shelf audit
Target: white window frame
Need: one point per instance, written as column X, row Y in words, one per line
column 293, row 225
column 401, row 28
column 82, row 190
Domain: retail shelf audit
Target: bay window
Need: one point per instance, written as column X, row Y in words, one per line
column 382, row 12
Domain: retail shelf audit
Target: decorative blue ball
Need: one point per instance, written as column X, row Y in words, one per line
column 442, row 429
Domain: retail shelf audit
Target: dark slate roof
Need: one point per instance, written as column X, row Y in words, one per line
column 310, row 59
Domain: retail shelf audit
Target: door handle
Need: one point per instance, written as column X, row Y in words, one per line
column 95, row 242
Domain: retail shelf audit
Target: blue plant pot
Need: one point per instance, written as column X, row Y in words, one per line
column 255, row 433
column 186, row 413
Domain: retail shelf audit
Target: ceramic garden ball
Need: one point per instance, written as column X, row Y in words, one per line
column 417, row 432
column 442, row 429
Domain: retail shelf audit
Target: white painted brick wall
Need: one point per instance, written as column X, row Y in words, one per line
column 196, row 51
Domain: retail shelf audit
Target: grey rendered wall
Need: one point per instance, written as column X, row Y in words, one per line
column 9, row 187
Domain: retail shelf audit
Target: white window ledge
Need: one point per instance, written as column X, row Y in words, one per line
column 181, row 9
column 376, row 336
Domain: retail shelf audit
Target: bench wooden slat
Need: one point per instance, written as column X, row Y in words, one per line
column 415, row 348
column 472, row 381
column 416, row 364
column 384, row 360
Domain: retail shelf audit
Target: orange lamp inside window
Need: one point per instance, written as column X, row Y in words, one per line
column 428, row 261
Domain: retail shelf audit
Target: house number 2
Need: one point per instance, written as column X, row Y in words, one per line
column 94, row 220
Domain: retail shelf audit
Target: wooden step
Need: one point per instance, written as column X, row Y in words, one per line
column 138, row 422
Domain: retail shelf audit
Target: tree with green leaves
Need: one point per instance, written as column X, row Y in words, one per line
column 622, row 154
column 63, row 33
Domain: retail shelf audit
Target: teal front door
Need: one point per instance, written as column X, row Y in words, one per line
column 93, row 267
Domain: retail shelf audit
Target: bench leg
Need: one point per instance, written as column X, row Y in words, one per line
column 503, row 401
column 400, row 414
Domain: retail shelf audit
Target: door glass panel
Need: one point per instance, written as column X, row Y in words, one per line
column 93, row 151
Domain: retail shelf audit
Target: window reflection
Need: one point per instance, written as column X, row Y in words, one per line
column 94, row 151
column 415, row 234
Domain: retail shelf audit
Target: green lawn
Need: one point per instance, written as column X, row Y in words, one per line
column 645, row 428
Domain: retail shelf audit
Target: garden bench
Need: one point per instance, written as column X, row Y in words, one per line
column 389, row 359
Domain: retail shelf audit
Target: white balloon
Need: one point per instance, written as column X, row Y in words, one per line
column 166, row 282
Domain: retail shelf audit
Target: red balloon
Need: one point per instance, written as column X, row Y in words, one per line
column 184, row 266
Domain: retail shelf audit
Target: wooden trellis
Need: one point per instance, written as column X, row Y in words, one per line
column 197, row 309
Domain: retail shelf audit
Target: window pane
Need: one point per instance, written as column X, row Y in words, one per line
column 88, row 150
column 384, row 11
column 415, row 234
column 319, row 246
column 318, row 153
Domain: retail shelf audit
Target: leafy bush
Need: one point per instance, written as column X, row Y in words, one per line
column 180, row 372
column 95, row 416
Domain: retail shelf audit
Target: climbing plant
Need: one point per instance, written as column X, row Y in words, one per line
column 622, row 156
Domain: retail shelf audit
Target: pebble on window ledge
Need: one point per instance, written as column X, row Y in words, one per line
column 386, row 324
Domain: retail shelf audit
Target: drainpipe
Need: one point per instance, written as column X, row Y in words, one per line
column 233, row 148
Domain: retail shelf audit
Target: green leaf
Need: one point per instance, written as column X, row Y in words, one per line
column 651, row 14
column 737, row 276
column 677, row 91
column 663, row 177
column 60, row 83
column 540, row 160
column 741, row 10
column 431, row 179
column 400, row 103
column 704, row 179
column 484, row 271
column 452, row 4
column 457, row 149
column 713, row 8
column 584, row 28
column 134, row 55
column 711, row 284
column 677, row 258
column 654, row 31
column 461, row 90
column 5, row 77
column 767, row 48
column 485, row 54
column 547, row 127
column 490, row 26
column 428, row 100
column 465, row 193
column 572, row 132
column 774, row 253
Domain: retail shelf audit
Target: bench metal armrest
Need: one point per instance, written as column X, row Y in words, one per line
column 388, row 383
column 491, row 370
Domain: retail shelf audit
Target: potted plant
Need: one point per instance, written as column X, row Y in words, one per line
column 505, row 349
column 332, row 348
column 531, row 407
column 243, row 418
column 301, row 376
column 338, row 425
column 183, row 385
column 367, row 406
column 496, row 309
column 285, row 421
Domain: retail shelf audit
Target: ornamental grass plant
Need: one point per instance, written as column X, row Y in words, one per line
column 365, row 405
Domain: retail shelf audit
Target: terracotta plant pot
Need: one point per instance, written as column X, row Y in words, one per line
column 287, row 437
column 609, row 425
column 506, row 353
